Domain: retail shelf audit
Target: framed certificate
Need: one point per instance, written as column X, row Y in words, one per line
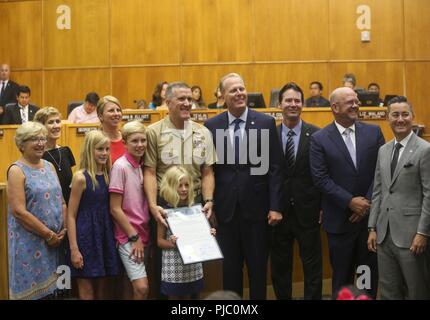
column 195, row 241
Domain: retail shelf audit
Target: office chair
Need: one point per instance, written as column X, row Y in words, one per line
column 72, row 105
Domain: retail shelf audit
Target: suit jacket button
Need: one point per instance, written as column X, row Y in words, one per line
column 388, row 209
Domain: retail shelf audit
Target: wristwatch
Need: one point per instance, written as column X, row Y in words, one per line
column 371, row 229
column 133, row 238
column 207, row 200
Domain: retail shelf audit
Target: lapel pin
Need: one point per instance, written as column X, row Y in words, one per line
column 307, row 134
column 252, row 122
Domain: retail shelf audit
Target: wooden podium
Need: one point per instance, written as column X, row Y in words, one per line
column 4, row 267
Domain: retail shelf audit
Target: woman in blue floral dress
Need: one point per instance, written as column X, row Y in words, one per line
column 35, row 218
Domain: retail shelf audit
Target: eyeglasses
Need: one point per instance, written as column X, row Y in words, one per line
column 37, row 140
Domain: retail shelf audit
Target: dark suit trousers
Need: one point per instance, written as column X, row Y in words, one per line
column 347, row 252
column 309, row 239
column 244, row 240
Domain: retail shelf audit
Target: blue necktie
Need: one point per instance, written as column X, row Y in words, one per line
column 289, row 149
column 237, row 138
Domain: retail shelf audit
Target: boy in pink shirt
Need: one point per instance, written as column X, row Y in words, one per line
column 129, row 207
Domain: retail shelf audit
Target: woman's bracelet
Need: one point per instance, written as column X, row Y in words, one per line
column 50, row 237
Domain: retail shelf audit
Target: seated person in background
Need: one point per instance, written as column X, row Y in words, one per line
column 141, row 104
column 86, row 113
column 197, row 95
column 374, row 88
column 219, row 103
column 159, row 97
column 316, row 99
column 350, row 81
column 21, row 112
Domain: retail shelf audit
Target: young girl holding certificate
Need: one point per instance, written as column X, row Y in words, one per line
column 178, row 281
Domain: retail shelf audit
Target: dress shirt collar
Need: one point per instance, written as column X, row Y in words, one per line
column 342, row 128
column 297, row 129
column 243, row 117
column 405, row 141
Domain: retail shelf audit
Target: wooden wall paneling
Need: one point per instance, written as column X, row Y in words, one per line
column 417, row 91
column 145, row 32
column 386, row 30
column 234, row 41
column 62, row 86
column 86, row 43
column 270, row 76
column 9, row 150
column 217, row 31
column 201, row 31
column 129, row 84
column 389, row 75
column 417, row 29
column 207, row 77
column 32, row 79
column 291, row 30
column 21, row 30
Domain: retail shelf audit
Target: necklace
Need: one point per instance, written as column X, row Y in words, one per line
column 57, row 163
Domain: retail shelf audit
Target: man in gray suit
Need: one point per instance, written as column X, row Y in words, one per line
column 399, row 222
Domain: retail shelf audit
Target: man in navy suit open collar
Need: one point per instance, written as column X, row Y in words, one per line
column 343, row 160
column 248, row 187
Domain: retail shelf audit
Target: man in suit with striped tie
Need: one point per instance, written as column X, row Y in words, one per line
column 301, row 203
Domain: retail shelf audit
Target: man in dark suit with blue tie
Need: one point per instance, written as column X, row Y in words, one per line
column 302, row 203
column 343, row 160
column 248, row 186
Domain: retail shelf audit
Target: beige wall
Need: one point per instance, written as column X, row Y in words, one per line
column 124, row 47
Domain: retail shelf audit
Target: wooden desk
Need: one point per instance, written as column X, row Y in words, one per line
column 74, row 135
column 4, row 268
column 201, row 115
column 148, row 116
column 321, row 117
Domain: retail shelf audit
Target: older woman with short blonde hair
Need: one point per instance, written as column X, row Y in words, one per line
column 35, row 217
